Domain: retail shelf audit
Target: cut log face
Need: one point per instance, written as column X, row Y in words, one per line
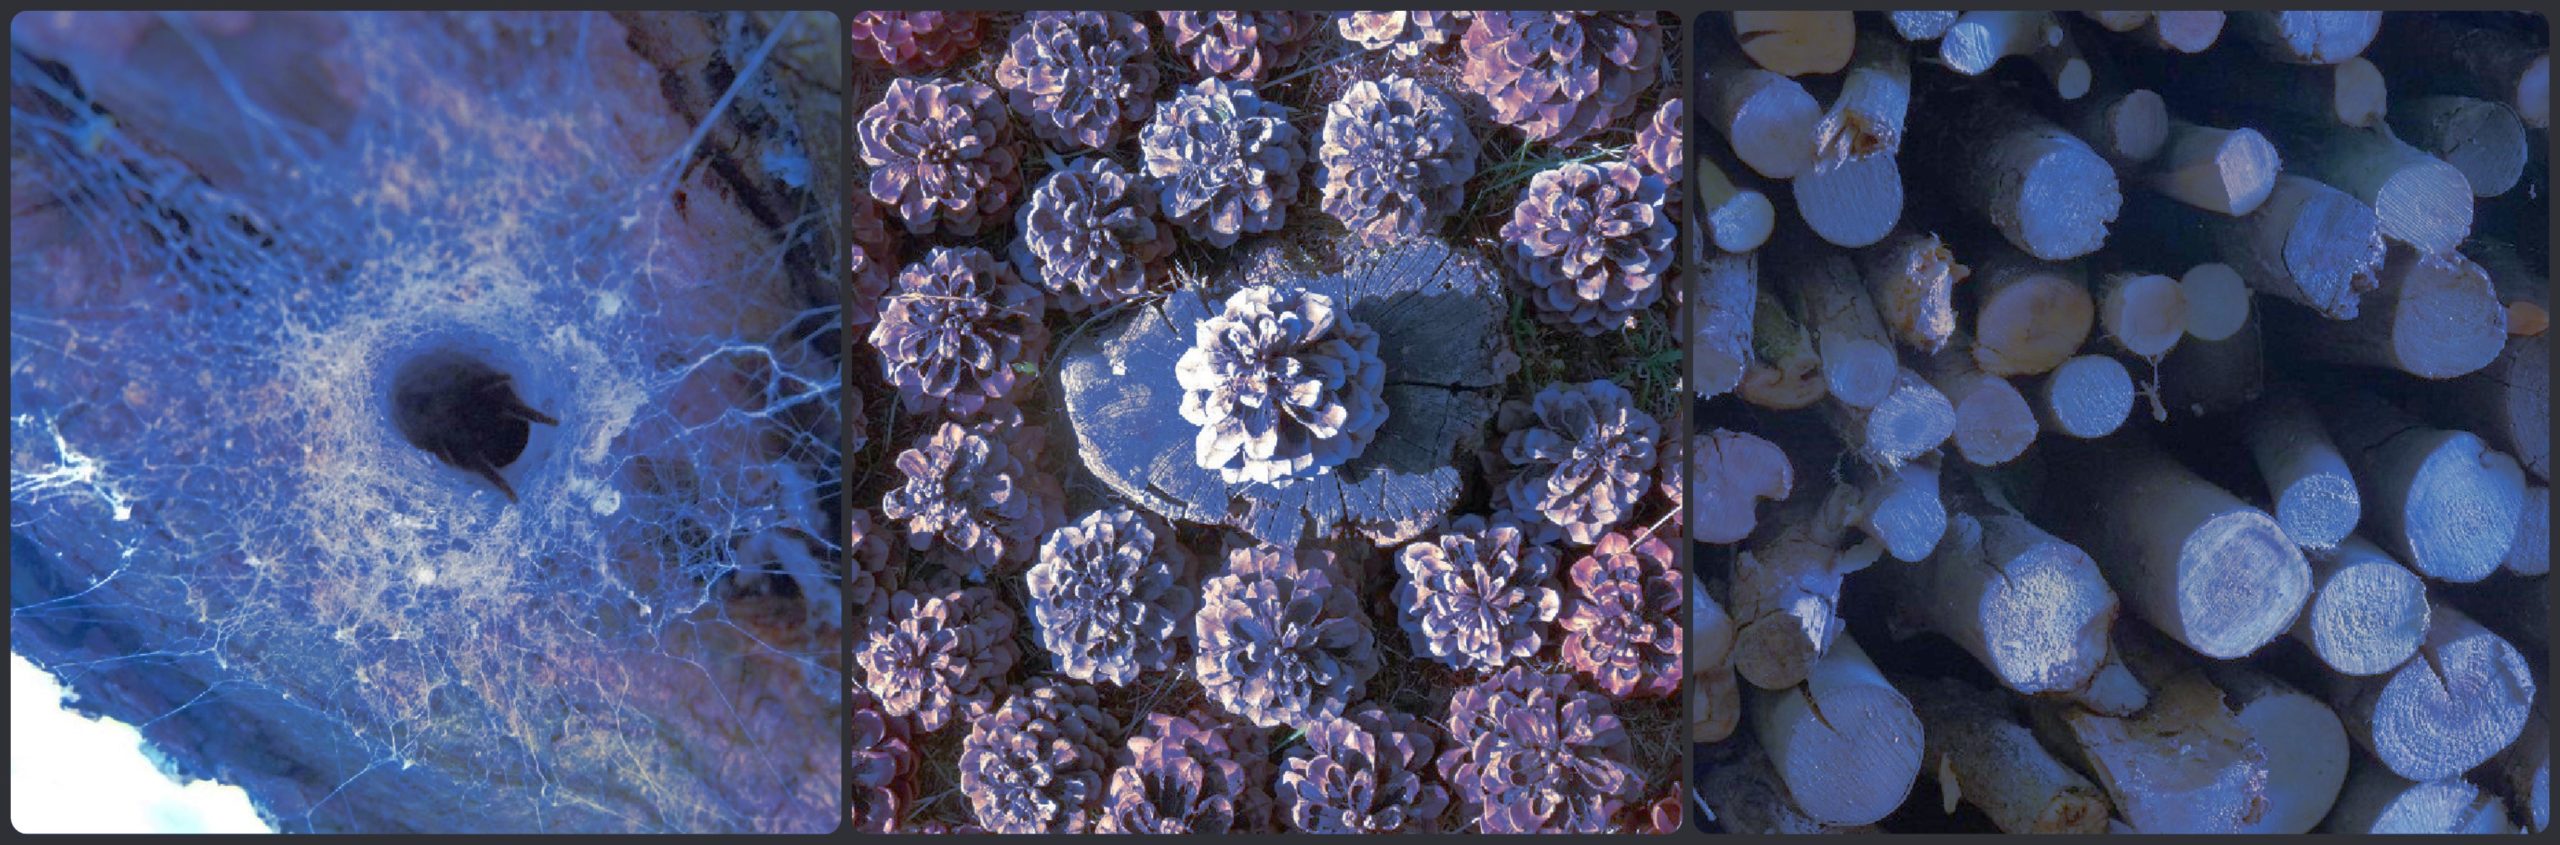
column 2144, row 313
column 2190, row 558
column 2224, row 171
column 2128, row 128
column 1786, row 598
column 1851, row 203
column 1797, row 43
column 2030, row 316
column 2033, row 609
column 2416, row 198
column 2482, row 139
column 1979, row 752
column 1439, row 318
column 1766, row 117
column 2185, row 32
column 2217, row 301
column 1786, row 372
column 1857, row 355
column 2088, row 397
column 1912, row 421
column 1913, row 277
column 2377, row 801
column 2508, row 402
column 2368, row 613
column 1977, row 40
column 2459, row 702
column 1738, row 220
column 2443, row 501
column 2314, row 491
column 1921, row 26
column 2311, row 38
column 2309, row 243
column 1901, row 509
column 1846, row 743
column 1730, row 472
column 1994, row 424
column 2433, row 317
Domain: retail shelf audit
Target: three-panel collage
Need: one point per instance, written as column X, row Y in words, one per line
column 1692, row 422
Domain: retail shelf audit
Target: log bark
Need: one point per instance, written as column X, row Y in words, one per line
column 1846, row 743
column 2368, row 613
column 2043, row 188
column 1738, row 219
column 1851, row 203
column 1980, row 39
column 2508, row 402
column 1978, row 750
column 1921, row 26
column 2088, row 397
column 2484, row 140
column 2314, row 492
column 2443, row 56
column 2031, row 608
column 2523, row 774
column 2143, row 313
column 2184, row 32
column 2224, row 171
column 2306, row 746
column 2377, row 801
column 2416, row 198
column 2434, row 317
column 2183, row 764
column 1797, row 43
column 2235, row 88
column 2192, row 559
column 1786, row 373
column 1858, row 363
column 1912, row 421
column 2308, row 38
column 2531, row 554
column 1912, row 277
column 2127, row 128
column 2457, row 703
column 2441, row 501
column 2031, row 316
column 1767, row 118
column 1721, row 307
column 1993, row 421
column 2209, row 377
column 1731, row 472
column 1875, row 98
column 1900, row 508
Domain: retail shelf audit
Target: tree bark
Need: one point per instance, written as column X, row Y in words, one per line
column 2306, row 746
column 2377, row 801
column 1978, row 751
column 2308, row 38
column 2484, row 140
column 1858, row 363
column 2416, row 198
column 1720, row 316
column 1912, row 277
column 2183, row 764
column 2434, row 317
column 1786, row 372
column 1875, row 97
column 2440, row 56
column 2043, row 188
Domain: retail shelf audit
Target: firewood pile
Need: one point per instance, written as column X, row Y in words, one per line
column 2120, row 421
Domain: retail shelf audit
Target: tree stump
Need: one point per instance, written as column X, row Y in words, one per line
column 1439, row 318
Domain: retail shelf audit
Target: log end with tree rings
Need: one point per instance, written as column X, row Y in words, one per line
column 2369, row 614
column 2244, row 582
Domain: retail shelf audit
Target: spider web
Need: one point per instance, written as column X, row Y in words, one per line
column 228, row 232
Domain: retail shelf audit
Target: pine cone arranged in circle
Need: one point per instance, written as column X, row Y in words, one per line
column 1089, row 235
column 953, row 332
column 1080, row 79
column 1366, row 771
column 1529, row 753
column 1223, row 160
column 937, row 658
column 1581, row 455
column 1593, row 242
column 1281, row 638
column 1559, row 77
column 1478, row 596
column 1112, row 596
column 1397, row 156
column 1036, row 764
column 942, row 154
column 1622, row 617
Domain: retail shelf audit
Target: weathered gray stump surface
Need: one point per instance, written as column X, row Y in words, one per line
column 1439, row 318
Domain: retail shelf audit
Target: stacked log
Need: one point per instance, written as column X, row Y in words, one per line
column 2130, row 421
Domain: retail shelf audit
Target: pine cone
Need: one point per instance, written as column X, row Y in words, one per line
column 1189, row 774
column 1408, row 34
column 883, row 765
column 942, row 154
column 1281, row 638
column 1479, row 596
column 1089, row 235
column 1112, row 596
column 1367, row 771
column 916, row 42
column 1593, row 242
column 937, row 658
column 1622, row 617
column 951, row 335
column 969, row 497
column 1242, row 46
column 1081, row 79
column 1559, row 77
column 1036, row 764
column 1224, row 161
column 1397, row 156
column 1582, row 455
column 1531, row 754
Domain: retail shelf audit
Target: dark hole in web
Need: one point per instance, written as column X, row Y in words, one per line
column 465, row 412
